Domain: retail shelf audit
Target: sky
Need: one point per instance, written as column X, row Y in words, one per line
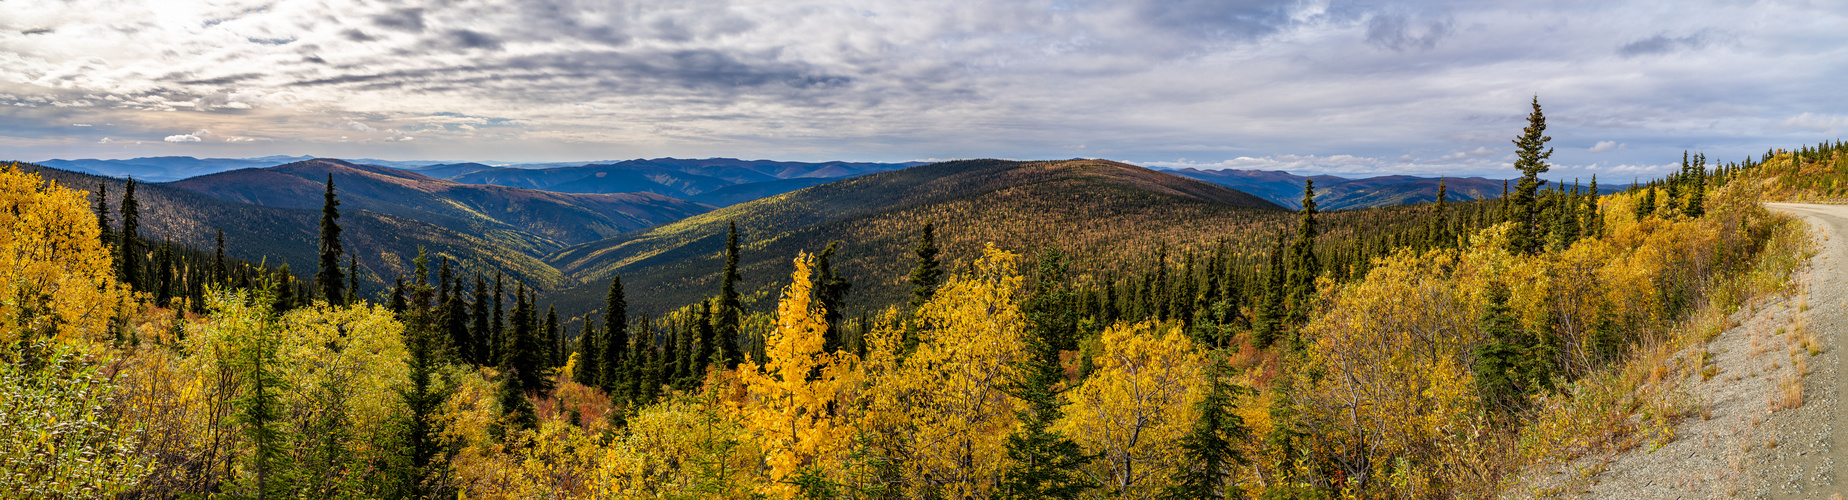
column 1309, row 87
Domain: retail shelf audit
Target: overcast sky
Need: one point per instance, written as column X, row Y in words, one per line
column 1423, row 88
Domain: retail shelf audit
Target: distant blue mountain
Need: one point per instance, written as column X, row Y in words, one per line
column 167, row 168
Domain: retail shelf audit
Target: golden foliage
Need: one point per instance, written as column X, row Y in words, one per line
column 1133, row 411
column 58, row 278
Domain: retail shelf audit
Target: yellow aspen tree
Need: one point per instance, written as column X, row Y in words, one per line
column 793, row 392
column 58, row 278
column 938, row 412
column 1133, row 411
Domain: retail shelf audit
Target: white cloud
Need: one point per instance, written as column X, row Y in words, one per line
column 1603, row 146
column 892, row 79
column 105, row 140
column 183, row 138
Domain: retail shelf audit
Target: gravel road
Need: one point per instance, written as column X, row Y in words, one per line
column 1743, row 443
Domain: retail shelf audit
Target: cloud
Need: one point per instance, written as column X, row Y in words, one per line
column 1603, row 146
column 1661, row 43
column 183, row 138
column 1817, row 122
column 105, row 140
column 1396, row 32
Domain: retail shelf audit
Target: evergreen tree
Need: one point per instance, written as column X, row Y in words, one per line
column 106, row 235
column 163, row 274
column 262, row 410
column 219, row 272
column 588, row 352
column 829, row 291
column 130, row 244
column 1697, row 187
column 924, row 277
column 1212, row 447
column 497, row 331
column 1594, row 221
column 454, row 318
column 553, row 349
column 352, row 274
column 728, row 315
column 480, row 333
column 708, row 345
column 398, row 304
column 423, row 459
column 523, row 354
column 329, row 277
column 1041, row 462
column 1440, row 219
column 1531, row 161
column 1304, row 265
column 1512, row 364
column 1646, row 203
column 1267, row 320
column 615, row 343
column 516, row 412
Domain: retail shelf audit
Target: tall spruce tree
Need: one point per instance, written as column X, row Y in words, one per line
column 454, row 318
column 423, row 459
column 728, row 318
column 130, row 247
column 329, row 277
column 1212, row 447
column 829, row 292
column 1267, row 321
column 524, row 356
column 1697, row 187
column 497, row 331
column 1531, row 154
column 105, row 234
column 615, row 343
column 1041, row 462
column 554, row 351
column 1594, row 221
column 352, row 274
column 480, row 333
column 163, row 274
column 588, row 368
column 1304, row 265
column 220, row 273
column 925, row 275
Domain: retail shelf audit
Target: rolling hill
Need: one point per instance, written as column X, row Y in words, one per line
column 384, row 244
column 533, row 222
column 1095, row 210
column 1341, row 193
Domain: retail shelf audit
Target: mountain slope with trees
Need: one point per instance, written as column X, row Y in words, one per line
column 531, row 221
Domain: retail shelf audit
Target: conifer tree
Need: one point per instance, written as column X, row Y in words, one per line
column 553, row 349
column 481, row 332
column 1267, row 320
column 1697, row 179
column 829, row 291
column 1531, row 161
column 1304, row 265
column 1513, row 363
column 1041, row 462
column 106, row 235
column 516, row 412
column 708, row 345
column 497, row 331
column 352, row 287
column 262, row 410
column 615, row 343
column 329, row 277
column 398, row 304
column 1594, row 221
column 1440, row 218
column 424, row 456
column 925, row 275
column 130, row 244
column 1211, row 448
column 220, row 272
column 163, row 274
column 454, row 318
column 728, row 315
column 1645, row 205
column 588, row 369
column 523, row 355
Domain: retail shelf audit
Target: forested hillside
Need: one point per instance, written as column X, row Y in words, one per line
column 287, row 236
column 533, row 222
